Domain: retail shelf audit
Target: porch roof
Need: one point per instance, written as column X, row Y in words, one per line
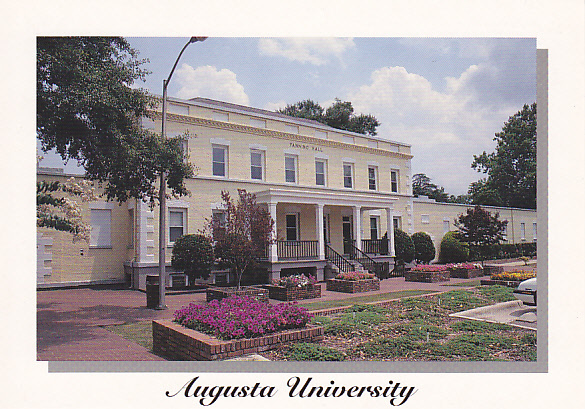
column 374, row 200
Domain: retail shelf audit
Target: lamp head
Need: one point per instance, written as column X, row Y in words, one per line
column 197, row 39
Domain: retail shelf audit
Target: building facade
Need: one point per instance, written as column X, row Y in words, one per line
column 333, row 194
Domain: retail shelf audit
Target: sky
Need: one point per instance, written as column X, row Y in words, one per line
column 446, row 97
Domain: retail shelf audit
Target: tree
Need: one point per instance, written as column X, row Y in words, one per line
column 479, row 228
column 403, row 246
column 511, row 169
column 193, row 253
column 424, row 249
column 88, row 111
column 243, row 236
column 452, row 250
column 339, row 115
column 422, row 186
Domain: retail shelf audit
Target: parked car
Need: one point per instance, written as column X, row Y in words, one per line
column 526, row 291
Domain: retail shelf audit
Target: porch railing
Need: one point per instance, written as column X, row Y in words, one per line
column 337, row 259
column 380, row 269
column 375, row 246
column 297, row 249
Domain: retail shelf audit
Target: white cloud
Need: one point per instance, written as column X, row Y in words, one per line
column 445, row 128
column 315, row 51
column 209, row 82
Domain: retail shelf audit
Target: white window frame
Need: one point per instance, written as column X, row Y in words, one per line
column 170, row 226
column 446, row 225
column 394, row 184
column 262, row 164
column 377, row 227
column 324, row 162
column 351, row 177
column 295, row 169
column 522, row 231
column 425, row 219
column 397, row 220
column 375, row 169
column 534, row 231
column 101, row 228
column 225, row 160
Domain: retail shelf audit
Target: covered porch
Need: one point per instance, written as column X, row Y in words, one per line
column 316, row 228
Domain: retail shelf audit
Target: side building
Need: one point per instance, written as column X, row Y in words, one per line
column 333, row 194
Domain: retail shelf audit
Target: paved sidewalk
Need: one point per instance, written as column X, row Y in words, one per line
column 69, row 322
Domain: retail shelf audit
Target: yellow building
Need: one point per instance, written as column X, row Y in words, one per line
column 333, row 195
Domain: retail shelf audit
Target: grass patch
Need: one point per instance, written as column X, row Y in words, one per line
column 303, row 351
column 321, row 305
column 418, row 331
column 496, row 293
column 140, row 333
column 461, row 300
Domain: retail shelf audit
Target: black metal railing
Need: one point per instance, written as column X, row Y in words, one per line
column 380, row 269
column 297, row 249
column 375, row 246
column 342, row 264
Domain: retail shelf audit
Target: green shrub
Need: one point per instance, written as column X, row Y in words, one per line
column 452, row 250
column 403, row 246
column 193, row 254
column 424, row 249
column 311, row 352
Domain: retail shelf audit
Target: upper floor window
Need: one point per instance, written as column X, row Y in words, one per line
column 320, row 172
column 373, row 177
column 257, row 164
column 176, row 224
column 219, row 160
column 394, row 181
column 348, row 175
column 290, row 168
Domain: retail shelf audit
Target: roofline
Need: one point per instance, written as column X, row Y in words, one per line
column 425, row 199
column 265, row 114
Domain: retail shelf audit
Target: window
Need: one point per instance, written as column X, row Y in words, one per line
column 394, row 181
column 446, row 227
column 326, row 229
column 505, row 232
column 425, row 218
column 292, row 227
column 176, row 224
column 218, row 220
column 130, row 228
column 372, row 177
column 219, row 161
column 374, row 228
column 257, row 164
column 101, row 228
column 290, row 168
column 397, row 223
column 534, row 235
column 348, row 175
column 522, row 231
column 320, row 176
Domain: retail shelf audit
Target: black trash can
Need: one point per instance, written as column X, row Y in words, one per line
column 152, row 292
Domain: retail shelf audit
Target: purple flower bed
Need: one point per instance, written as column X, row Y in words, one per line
column 241, row 317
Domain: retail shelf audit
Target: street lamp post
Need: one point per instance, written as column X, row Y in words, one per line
column 162, row 194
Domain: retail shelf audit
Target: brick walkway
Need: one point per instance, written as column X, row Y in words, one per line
column 69, row 322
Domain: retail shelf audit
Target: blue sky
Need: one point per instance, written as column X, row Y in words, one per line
column 445, row 97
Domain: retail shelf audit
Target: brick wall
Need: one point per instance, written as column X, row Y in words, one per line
column 427, row 276
column 294, row 293
column 217, row 293
column 349, row 286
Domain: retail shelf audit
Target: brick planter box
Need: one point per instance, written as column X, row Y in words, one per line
column 219, row 293
column 512, row 284
column 489, row 270
column 353, row 286
column 427, row 276
column 279, row 293
column 467, row 273
column 179, row 343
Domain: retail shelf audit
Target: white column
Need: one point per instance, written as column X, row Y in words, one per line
column 320, row 235
column 390, row 230
column 357, row 226
column 273, row 256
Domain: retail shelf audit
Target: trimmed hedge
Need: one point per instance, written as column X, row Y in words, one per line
column 424, row 249
column 502, row 251
column 452, row 250
column 403, row 246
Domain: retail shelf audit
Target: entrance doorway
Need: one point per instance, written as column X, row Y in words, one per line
column 347, row 234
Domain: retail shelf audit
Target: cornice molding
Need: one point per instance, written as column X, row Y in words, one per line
column 276, row 134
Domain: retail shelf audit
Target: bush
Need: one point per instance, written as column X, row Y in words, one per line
column 403, row 246
column 354, row 276
column 424, row 249
column 452, row 250
column 193, row 254
column 241, row 317
column 297, row 280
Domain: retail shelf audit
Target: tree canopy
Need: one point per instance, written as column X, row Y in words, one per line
column 422, row 186
column 339, row 115
column 479, row 228
column 88, row 111
column 511, row 168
